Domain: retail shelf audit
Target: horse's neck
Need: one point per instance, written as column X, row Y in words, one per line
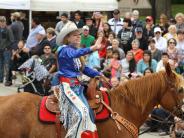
column 130, row 111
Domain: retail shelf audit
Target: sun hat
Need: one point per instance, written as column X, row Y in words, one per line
column 157, row 29
column 68, row 28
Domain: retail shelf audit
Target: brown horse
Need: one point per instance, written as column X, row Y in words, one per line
column 133, row 100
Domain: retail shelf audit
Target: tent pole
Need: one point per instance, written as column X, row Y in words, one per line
column 30, row 19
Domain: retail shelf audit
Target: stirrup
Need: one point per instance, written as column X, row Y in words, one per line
column 89, row 134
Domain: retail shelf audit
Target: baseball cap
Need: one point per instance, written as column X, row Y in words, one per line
column 138, row 29
column 116, row 11
column 42, row 32
column 149, row 18
column 85, row 27
column 157, row 29
column 64, row 14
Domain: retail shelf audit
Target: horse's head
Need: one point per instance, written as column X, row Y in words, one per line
column 172, row 98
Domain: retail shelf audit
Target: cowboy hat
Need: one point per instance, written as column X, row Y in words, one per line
column 68, row 28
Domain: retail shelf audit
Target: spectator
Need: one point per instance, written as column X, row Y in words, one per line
column 180, row 48
column 86, row 39
column 128, row 64
column 17, row 28
column 128, row 15
column 93, row 60
column 179, row 21
column 163, row 23
column 172, row 50
column 51, row 37
column 42, row 41
column 77, row 19
column 171, row 33
column 98, row 23
column 62, row 23
column 111, row 37
column 148, row 71
column 156, row 54
column 164, row 60
column 125, row 35
column 115, row 65
column 136, row 22
column 25, row 22
column 92, row 29
column 172, row 21
column 36, row 27
column 104, row 44
column 108, row 57
column 149, row 28
column 115, row 46
column 106, row 29
column 138, row 53
column 48, row 59
column 146, row 62
column 142, row 40
column 114, row 82
column 18, row 58
column 6, row 40
column 116, row 22
column 161, row 43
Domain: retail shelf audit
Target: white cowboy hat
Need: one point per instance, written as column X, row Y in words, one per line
column 68, row 28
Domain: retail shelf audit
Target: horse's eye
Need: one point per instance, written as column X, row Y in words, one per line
column 180, row 90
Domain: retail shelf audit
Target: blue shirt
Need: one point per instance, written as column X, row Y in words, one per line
column 69, row 62
column 93, row 60
column 31, row 40
column 141, row 66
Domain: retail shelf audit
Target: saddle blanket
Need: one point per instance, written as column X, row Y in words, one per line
column 49, row 117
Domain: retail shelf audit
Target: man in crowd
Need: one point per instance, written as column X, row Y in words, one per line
column 61, row 24
column 116, row 22
column 86, row 39
column 6, row 41
column 36, row 27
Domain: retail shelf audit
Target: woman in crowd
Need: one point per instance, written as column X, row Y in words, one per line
column 138, row 53
column 128, row 65
column 76, row 115
column 156, row 54
column 111, row 37
column 171, row 49
column 115, row 46
column 163, row 23
column 171, row 32
column 146, row 62
column 106, row 29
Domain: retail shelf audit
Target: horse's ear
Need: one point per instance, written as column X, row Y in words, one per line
column 168, row 70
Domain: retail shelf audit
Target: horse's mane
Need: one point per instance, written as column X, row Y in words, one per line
column 140, row 91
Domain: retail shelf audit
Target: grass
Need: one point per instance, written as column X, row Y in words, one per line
column 177, row 8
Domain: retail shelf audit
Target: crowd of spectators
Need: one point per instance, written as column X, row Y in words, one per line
column 130, row 48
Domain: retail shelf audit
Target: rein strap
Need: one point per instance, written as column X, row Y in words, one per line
column 119, row 119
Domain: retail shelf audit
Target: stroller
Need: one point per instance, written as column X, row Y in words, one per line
column 35, row 77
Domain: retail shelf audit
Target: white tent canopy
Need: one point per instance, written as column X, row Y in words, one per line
column 73, row 5
column 60, row 5
column 15, row 4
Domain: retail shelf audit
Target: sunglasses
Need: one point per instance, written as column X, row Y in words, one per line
column 172, row 43
column 157, row 32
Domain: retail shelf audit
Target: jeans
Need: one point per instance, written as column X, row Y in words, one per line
column 5, row 60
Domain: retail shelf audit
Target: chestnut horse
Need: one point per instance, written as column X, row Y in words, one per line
column 133, row 100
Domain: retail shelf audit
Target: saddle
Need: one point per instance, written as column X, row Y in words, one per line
column 93, row 97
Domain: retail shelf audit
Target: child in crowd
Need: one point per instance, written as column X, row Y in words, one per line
column 18, row 57
column 115, row 65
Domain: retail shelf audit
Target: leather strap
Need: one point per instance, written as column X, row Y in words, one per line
column 119, row 119
column 58, row 125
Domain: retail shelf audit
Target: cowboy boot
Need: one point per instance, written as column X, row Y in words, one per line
column 89, row 134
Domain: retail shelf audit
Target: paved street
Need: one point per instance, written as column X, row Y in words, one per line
column 12, row 90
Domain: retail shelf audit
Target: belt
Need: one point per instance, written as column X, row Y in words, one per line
column 71, row 81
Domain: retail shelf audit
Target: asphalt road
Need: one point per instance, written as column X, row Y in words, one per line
column 13, row 90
